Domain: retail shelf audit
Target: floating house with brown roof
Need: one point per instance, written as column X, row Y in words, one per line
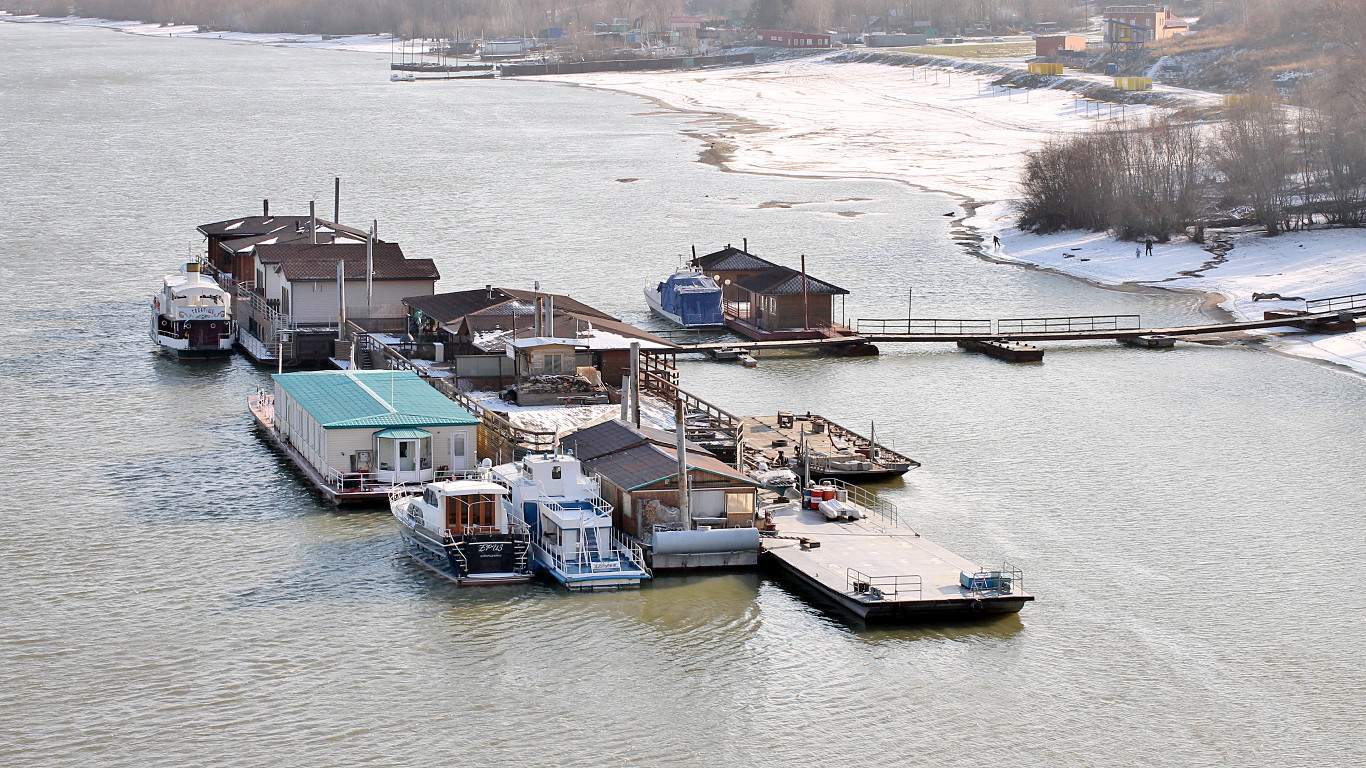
column 638, row 468
column 488, row 321
column 766, row 301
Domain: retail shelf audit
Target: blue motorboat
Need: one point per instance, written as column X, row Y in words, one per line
column 687, row 298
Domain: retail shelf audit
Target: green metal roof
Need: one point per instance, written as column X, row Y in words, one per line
column 358, row 399
column 403, row 433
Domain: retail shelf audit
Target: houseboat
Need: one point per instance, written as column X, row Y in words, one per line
column 461, row 529
column 572, row 539
column 356, row 434
column 192, row 315
column 687, row 298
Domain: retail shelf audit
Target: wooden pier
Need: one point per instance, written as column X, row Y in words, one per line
column 876, row 569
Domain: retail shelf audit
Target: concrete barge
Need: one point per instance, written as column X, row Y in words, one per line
column 877, row 570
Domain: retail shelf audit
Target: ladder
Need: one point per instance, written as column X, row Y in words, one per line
column 521, row 552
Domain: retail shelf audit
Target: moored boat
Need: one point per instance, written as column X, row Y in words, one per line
column 570, row 524
column 462, row 529
column 192, row 315
column 687, row 298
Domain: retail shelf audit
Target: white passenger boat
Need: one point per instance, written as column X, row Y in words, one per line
column 570, row 524
column 192, row 315
column 462, row 530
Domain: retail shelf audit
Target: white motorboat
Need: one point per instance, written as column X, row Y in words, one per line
column 462, row 530
column 570, row 524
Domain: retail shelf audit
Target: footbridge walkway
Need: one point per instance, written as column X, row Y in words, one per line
column 1337, row 314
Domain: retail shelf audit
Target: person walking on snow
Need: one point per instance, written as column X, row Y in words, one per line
column 1137, row 252
column 995, row 243
column 1149, row 248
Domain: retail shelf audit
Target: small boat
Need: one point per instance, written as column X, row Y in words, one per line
column 572, row 539
column 462, row 530
column 402, row 77
column 192, row 315
column 771, row 477
column 689, row 299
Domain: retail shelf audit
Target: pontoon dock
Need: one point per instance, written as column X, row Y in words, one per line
column 879, row 570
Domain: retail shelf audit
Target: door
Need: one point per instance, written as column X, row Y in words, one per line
column 459, row 452
column 406, row 460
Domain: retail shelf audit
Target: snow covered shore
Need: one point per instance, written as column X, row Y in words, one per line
column 365, row 43
column 954, row 133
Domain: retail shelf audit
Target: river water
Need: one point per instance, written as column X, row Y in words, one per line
column 1190, row 520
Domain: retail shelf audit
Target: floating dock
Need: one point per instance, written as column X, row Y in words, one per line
column 879, row 570
column 1009, row 351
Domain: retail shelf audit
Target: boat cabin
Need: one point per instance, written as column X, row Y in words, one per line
column 356, row 429
column 460, row 508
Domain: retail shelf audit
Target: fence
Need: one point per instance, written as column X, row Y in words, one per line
column 1068, row 324
column 929, row 327
column 1337, row 303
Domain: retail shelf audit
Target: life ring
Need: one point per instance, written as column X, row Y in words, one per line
column 976, row 606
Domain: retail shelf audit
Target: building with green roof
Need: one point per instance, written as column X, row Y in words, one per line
column 358, row 429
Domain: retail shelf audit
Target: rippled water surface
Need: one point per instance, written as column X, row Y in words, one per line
column 1190, row 520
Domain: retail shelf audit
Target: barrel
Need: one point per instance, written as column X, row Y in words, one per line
column 842, row 494
column 806, row 499
column 828, row 493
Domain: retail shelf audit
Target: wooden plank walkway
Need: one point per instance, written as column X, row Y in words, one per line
column 876, row 570
column 1088, row 335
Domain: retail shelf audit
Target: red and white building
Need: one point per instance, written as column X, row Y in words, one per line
column 793, row 39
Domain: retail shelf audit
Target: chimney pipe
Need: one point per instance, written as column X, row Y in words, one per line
column 682, row 446
column 746, row 248
column 488, row 291
column 265, row 207
column 806, row 300
column 312, row 222
column 336, row 203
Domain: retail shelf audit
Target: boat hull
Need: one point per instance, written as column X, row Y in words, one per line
column 444, row 558
column 588, row 581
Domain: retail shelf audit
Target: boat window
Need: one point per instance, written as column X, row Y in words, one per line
column 556, row 472
column 429, row 496
column 476, row 510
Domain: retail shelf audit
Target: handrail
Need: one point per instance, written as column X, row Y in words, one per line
column 928, row 326
column 870, row 501
column 1069, row 324
column 880, row 587
column 1334, row 303
column 995, row 581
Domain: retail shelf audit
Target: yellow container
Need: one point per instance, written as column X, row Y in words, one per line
column 1046, row 69
column 1134, row 83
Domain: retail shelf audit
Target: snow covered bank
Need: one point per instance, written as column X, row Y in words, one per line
column 365, row 43
column 952, row 132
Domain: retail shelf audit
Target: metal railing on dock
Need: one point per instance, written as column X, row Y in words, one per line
column 1068, row 324
column 1337, row 303
column 906, row 587
column 870, row 501
column 999, row 581
column 929, row 326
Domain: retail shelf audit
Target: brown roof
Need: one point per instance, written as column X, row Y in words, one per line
column 486, row 309
column 730, row 259
column 630, row 458
column 306, row 262
column 785, row 281
column 248, row 226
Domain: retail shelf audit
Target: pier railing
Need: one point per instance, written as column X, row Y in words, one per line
column 659, row 378
column 925, row 327
column 1068, row 324
column 870, row 501
column 996, row 581
column 906, row 587
column 1337, row 303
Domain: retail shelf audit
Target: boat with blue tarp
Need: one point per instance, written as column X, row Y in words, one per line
column 687, row 298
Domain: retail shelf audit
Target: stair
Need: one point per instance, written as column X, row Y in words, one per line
column 521, row 555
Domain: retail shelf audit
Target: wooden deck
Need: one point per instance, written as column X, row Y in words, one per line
column 875, row 570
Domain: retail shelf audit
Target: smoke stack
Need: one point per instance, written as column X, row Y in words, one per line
column 312, row 222
column 746, row 248
column 265, row 207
